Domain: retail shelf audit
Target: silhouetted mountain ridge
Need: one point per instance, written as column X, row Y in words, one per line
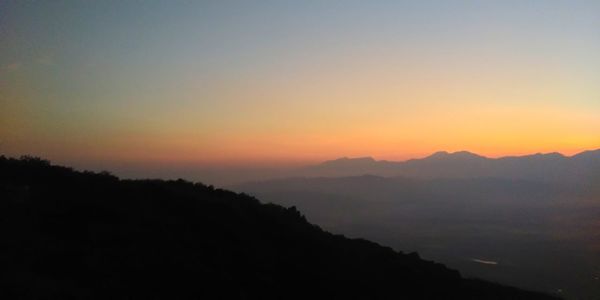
column 84, row 235
column 547, row 167
column 453, row 155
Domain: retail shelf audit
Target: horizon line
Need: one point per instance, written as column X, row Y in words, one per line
column 444, row 152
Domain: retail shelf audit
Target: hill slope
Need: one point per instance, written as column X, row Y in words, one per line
column 529, row 228
column 68, row 234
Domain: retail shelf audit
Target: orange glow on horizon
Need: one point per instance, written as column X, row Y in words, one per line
column 227, row 96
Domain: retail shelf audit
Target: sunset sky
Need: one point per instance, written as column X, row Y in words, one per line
column 288, row 82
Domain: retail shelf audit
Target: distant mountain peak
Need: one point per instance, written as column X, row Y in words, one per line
column 588, row 158
column 439, row 154
column 457, row 154
column 550, row 155
column 588, row 153
column 554, row 154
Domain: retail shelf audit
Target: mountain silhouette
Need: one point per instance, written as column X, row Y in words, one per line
column 549, row 167
column 84, row 235
column 455, row 155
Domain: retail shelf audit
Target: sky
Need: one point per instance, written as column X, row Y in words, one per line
column 291, row 82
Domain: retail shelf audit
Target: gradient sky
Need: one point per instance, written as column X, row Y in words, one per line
column 281, row 82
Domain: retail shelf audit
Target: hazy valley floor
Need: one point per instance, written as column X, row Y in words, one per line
column 528, row 234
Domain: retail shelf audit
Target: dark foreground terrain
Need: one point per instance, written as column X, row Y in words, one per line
column 82, row 235
column 533, row 235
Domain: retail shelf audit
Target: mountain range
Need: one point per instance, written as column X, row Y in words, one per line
column 506, row 219
column 549, row 167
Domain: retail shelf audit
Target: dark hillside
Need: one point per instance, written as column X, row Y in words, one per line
column 82, row 235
